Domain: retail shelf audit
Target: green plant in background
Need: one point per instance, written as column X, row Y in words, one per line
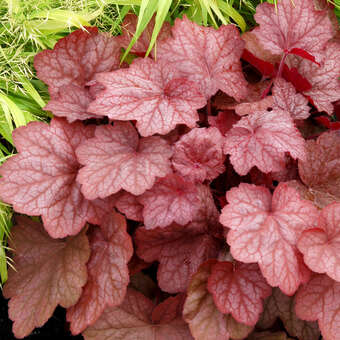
column 28, row 27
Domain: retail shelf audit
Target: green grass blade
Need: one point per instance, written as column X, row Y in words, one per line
column 32, row 91
column 232, row 13
column 147, row 10
column 162, row 11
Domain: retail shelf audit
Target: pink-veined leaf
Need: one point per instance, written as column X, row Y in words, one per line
column 41, row 178
column 319, row 300
column 198, row 155
column 286, row 99
column 117, row 159
column 261, row 139
column 72, row 63
column 47, row 273
column 265, row 229
column 320, row 171
column 209, row 57
column 153, row 93
column 238, row 289
column 289, row 27
column 133, row 320
column 142, row 44
column 181, row 249
column 320, row 246
column 324, row 78
column 206, row 322
column 171, row 199
column 108, row 274
column 128, row 205
column 283, row 306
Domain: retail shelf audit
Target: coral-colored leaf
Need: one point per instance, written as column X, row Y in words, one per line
column 108, row 274
column 324, row 79
column 286, row 99
column 142, row 44
column 198, row 154
column 171, row 199
column 47, row 273
column 41, row 178
column 238, row 289
column 133, row 320
column 265, row 229
column 288, row 26
column 73, row 62
column 321, row 246
column 181, row 249
column 209, row 57
column 128, row 205
column 261, row 139
column 319, row 300
column 153, row 93
column 283, row 306
column 117, row 159
column 206, row 322
column 320, row 172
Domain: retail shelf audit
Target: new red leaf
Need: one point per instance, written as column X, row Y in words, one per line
column 198, row 154
column 320, row 247
column 261, row 139
column 171, row 199
column 111, row 249
column 265, row 229
column 209, row 57
column 152, row 93
column 206, row 322
column 117, row 159
column 47, row 273
column 238, row 289
column 320, row 171
column 142, row 44
column 286, row 99
column 73, row 62
column 283, row 306
column 288, row 26
column 133, row 320
column 41, row 178
column 319, row 300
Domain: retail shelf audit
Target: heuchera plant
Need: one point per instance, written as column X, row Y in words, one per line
column 209, row 163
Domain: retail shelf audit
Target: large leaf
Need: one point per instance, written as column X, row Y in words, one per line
column 319, row 300
column 209, row 57
column 261, row 139
column 320, row 246
column 41, row 178
column 152, row 93
column 47, row 273
column 266, row 229
column 117, row 159
column 111, row 250
column 206, row 322
column 291, row 27
column 238, row 289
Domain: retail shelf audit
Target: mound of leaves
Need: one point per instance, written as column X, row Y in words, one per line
column 193, row 194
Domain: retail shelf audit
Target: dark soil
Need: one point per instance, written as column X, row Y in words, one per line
column 55, row 327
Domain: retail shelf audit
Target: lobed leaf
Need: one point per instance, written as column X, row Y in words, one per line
column 41, row 178
column 265, row 229
column 117, row 159
column 47, row 273
column 108, row 274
